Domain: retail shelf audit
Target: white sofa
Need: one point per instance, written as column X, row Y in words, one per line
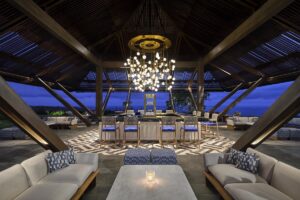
column 240, row 122
column 275, row 180
column 31, row 180
column 61, row 121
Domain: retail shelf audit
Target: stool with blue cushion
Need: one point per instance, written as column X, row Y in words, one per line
column 168, row 125
column 131, row 125
column 137, row 156
column 163, row 157
column 109, row 125
column 190, row 125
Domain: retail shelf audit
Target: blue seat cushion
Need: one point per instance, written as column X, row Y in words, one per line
column 137, row 156
column 163, row 157
column 109, row 128
column 168, row 128
column 190, row 128
column 131, row 128
column 209, row 123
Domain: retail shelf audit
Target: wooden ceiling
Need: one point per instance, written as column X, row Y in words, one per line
column 101, row 30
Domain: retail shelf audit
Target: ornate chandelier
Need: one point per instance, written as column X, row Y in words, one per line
column 149, row 65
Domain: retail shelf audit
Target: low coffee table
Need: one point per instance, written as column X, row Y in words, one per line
column 169, row 183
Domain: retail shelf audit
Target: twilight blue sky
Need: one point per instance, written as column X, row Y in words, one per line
column 255, row 104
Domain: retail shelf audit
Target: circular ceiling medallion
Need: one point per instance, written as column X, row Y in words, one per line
column 149, row 43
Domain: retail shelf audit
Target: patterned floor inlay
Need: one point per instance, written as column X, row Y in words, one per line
column 89, row 142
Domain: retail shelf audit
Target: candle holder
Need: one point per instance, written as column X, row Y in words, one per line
column 150, row 175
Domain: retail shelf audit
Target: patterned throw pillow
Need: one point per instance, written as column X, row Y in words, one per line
column 70, row 155
column 248, row 162
column 57, row 160
column 232, row 156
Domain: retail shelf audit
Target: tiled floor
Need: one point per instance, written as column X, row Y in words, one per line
column 15, row 151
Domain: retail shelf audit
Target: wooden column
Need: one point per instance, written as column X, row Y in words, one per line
column 64, row 102
column 27, row 120
column 200, row 90
column 106, row 99
column 74, row 99
column 171, row 100
column 99, row 90
column 242, row 96
column 283, row 110
column 226, row 98
column 128, row 99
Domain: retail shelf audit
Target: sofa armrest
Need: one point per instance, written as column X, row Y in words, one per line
column 213, row 159
column 87, row 158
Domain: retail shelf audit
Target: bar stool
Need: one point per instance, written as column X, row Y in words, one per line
column 109, row 125
column 131, row 125
column 190, row 124
column 168, row 124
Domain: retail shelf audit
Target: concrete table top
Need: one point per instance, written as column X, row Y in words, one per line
column 170, row 183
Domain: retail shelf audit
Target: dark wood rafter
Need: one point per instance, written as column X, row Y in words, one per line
column 242, row 96
column 33, row 11
column 21, row 19
column 284, row 109
column 264, row 13
column 239, row 86
column 74, row 99
column 64, row 102
column 27, row 120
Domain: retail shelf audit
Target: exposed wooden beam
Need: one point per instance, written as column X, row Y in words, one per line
column 284, row 109
column 27, row 120
column 64, row 102
column 226, row 98
column 75, row 99
column 242, row 96
column 263, row 14
column 192, row 97
column 171, row 100
column 33, row 11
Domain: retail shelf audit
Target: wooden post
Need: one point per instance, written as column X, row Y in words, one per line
column 74, row 98
column 283, row 110
column 64, row 102
column 171, row 100
column 27, row 120
column 128, row 99
column 200, row 94
column 99, row 90
column 242, row 96
column 106, row 99
column 226, row 98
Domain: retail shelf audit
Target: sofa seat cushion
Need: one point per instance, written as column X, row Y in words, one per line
column 49, row 191
column 228, row 173
column 74, row 173
column 13, row 181
column 257, row 191
column 88, row 159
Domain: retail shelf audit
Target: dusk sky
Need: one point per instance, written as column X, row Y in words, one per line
column 255, row 104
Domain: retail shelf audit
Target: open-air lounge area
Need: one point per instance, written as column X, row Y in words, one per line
column 149, row 99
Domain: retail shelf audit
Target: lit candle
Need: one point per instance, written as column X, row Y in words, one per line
column 150, row 175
